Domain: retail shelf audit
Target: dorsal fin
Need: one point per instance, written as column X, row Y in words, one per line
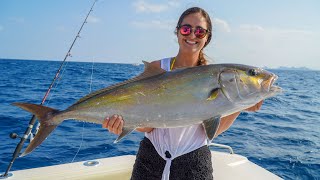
column 149, row 71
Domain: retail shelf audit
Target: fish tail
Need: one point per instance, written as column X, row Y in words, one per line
column 47, row 125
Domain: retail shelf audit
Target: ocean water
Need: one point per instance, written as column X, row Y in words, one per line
column 283, row 137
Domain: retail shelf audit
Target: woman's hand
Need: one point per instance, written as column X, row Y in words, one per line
column 255, row 107
column 114, row 124
column 144, row 129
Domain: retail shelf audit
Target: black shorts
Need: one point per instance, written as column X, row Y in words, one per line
column 193, row 165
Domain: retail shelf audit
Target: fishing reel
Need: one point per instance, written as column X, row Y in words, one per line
column 15, row 136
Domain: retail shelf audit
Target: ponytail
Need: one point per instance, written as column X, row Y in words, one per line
column 202, row 59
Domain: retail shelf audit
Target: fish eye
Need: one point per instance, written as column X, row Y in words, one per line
column 253, row 72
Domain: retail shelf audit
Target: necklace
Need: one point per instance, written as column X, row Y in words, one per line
column 173, row 61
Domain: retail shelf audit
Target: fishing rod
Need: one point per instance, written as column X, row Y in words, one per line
column 33, row 118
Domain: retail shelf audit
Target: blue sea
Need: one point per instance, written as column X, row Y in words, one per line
column 283, row 137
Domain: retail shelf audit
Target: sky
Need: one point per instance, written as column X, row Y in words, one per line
column 262, row 33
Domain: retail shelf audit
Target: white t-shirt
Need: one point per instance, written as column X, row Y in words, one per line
column 177, row 141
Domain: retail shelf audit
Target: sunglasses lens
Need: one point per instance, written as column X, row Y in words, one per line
column 185, row 30
column 200, row 33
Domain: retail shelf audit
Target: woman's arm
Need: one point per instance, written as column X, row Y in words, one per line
column 115, row 123
column 227, row 121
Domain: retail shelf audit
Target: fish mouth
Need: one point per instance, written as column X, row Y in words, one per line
column 240, row 86
column 275, row 89
column 268, row 85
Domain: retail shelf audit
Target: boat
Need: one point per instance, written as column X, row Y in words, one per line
column 136, row 64
column 226, row 165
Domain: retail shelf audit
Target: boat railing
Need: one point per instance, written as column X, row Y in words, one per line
column 222, row 146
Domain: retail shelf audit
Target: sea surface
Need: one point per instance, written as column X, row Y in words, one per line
column 283, row 137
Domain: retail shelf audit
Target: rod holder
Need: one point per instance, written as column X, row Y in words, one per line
column 7, row 176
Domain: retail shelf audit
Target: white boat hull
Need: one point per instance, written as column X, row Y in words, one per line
column 226, row 167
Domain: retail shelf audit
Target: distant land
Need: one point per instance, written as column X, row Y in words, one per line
column 293, row 68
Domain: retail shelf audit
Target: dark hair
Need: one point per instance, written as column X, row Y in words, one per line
column 202, row 59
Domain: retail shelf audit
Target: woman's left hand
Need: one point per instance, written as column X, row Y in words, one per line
column 255, row 107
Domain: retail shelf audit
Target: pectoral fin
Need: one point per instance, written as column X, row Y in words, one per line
column 125, row 131
column 211, row 126
column 213, row 94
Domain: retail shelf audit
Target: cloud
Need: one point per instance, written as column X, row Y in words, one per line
column 142, row 6
column 290, row 31
column 268, row 46
column 251, row 28
column 174, row 3
column 92, row 19
column 271, row 31
column 221, row 25
column 167, row 24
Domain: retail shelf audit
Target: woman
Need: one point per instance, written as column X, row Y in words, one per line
column 178, row 153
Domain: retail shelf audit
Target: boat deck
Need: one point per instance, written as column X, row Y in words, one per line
column 226, row 166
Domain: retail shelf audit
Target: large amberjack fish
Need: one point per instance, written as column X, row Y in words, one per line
column 160, row 99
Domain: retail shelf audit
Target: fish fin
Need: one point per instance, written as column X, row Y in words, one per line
column 125, row 131
column 44, row 115
column 150, row 70
column 42, row 134
column 213, row 94
column 211, row 126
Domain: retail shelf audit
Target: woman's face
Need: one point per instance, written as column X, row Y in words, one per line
column 190, row 43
